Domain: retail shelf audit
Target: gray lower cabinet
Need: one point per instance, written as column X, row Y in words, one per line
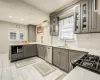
column 64, row 60
column 74, row 55
column 56, row 57
column 20, row 55
column 60, row 58
column 13, row 57
column 41, row 51
column 29, row 50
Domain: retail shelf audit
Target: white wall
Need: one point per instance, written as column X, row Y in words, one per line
column 4, row 32
column 46, row 34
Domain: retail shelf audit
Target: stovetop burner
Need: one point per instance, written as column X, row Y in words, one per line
column 90, row 62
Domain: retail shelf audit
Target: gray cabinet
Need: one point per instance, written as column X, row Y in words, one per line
column 41, row 51
column 29, row 50
column 20, row 55
column 84, row 16
column 89, row 17
column 13, row 57
column 94, row 25
column 31, row 33
column 77, row 18
column 56, row 57
column 23, row 51
column 74, row 55
column 64, row 60
column 60, row 58
column 54, row 27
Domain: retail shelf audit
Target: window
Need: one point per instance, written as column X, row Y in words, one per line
column 16, row 34
column 13, row 35
column 66, row 28
column 21, row 35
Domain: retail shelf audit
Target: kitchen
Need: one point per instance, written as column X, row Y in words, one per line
column 44, row 42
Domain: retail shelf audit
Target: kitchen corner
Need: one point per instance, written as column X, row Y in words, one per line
column 81, row 74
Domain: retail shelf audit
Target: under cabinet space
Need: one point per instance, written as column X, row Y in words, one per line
column 16, row 49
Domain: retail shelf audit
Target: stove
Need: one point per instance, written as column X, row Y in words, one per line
column 90, row 62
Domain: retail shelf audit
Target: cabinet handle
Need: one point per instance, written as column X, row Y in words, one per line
column 95, row 10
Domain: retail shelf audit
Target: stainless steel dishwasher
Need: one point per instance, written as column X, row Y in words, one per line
column 48, row 56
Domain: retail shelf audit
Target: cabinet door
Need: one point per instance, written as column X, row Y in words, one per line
column 31, row 33
column 77, row 19
column 41, row 49
column 54, row 28
column 84, row 17
column 74, row 55
column 94, row 27
column 20, row 55
column 56, row 57
column 28, row 51
column 34, row 50
column 64, row 60
column 13, row 57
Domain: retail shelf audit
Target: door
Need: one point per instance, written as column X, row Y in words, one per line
column 77, row 19
column 41, row 49
column 28, row 51
column 94, row 27
column 20, row 55
column 34, row 50
column 64, row 60
column 56, row 56
column 13, row 57
column 84, row 17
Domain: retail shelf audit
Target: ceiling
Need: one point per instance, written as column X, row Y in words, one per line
column 48, row 5
column 28, row 11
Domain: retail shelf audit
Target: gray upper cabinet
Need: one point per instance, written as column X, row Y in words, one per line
column 77, row 18
column 41, row 51
column 60, row 58
column 29, row 50
column 54, row 27
column 89, row 17
column 31, row 33
column 85, row 16
column 74, row 55
column 94, row 25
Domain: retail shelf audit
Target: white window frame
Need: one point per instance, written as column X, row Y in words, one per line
column 74, row 37
column 24, row 33
column 18, row 31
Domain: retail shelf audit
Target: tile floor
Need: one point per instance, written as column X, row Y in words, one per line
column 9, row 71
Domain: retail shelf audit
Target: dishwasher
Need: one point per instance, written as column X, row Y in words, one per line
column 48, row 56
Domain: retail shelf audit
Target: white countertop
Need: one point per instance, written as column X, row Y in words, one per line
column 79, row 73
column 91, row 51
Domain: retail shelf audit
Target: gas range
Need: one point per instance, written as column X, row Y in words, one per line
column 90, row 62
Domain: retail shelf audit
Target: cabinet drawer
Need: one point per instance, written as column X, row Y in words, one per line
column 56, row 49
